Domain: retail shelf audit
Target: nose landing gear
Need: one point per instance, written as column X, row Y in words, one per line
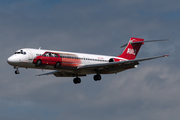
column 17, row 71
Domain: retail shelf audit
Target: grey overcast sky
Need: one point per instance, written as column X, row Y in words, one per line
column 150, row 92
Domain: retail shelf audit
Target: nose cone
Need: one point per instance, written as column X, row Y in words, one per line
column 11, row 60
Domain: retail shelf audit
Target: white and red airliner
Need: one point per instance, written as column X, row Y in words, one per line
column 71, row 64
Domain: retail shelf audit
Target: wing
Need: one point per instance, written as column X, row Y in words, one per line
column 114, row 67
column 49, row 73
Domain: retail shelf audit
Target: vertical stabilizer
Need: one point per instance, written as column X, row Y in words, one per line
column 132, row 48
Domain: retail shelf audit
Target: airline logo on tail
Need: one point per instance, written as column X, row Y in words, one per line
column 131, row 51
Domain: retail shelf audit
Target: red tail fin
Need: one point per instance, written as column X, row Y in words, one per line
column 132, row 48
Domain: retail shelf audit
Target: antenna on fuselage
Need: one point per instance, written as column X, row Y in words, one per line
column 39, row 48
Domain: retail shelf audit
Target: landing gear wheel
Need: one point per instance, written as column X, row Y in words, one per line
column 97, row 77
column 57, row 65
column 38, row 63
column 77, row 80
column 17, row 72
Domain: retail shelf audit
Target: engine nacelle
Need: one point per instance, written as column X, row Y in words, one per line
column 111, row 60
column 114, row 60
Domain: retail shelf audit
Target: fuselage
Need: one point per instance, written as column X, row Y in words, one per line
column 26, row 58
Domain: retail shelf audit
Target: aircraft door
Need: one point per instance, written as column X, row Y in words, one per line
column 30, row 55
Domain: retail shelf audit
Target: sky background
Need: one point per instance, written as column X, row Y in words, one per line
column 151, row 92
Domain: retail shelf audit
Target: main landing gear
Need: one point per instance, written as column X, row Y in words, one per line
column 77, row 80
column 17, row 71
column 97, row 77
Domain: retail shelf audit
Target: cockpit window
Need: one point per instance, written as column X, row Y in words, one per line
column 17, row 53
column 20, row 52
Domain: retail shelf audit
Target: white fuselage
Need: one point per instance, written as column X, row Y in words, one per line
column 24, row 58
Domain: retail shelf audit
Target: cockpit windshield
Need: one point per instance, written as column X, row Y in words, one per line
column 20, row 52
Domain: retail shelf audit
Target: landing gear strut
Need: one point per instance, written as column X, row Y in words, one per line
column 17, row 71
column 77, row 80
column 97, row 77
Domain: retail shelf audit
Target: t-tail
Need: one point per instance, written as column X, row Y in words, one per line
column 132, row 48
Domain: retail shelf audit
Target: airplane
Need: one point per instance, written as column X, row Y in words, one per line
column 71, row 64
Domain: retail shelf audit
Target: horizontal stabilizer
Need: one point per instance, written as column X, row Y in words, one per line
column 144, row 42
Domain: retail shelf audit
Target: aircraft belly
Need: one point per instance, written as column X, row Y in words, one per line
column 87, row 71
column 67, row 74
column 115, row 69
